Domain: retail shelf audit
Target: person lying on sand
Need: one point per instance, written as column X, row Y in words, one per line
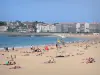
column 89, row 60
column 10, row 62
column 15, row 67
column 36, row 50
column 40, row 53
column 51, row 60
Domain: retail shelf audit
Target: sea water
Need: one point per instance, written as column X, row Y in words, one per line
column 21, row 41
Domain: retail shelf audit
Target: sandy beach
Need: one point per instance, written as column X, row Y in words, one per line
column 36, row 63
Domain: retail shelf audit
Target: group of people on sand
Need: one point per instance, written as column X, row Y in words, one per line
column 7, row 49
column 33, row 49
column 37, row 49
column 89, row 60
column 59, row 45
column 11, row 60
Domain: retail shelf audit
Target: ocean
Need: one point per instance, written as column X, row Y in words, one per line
column 21, row 41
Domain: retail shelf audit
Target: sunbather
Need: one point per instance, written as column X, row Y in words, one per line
column 15, row 67
column 9, row 63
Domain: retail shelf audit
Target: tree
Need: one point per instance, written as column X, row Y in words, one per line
column 3, row 23
column 19, row 22
column 22, row 25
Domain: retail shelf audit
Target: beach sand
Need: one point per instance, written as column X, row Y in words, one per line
column 69, row 65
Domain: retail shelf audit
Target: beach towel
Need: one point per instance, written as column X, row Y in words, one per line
column 7, row 63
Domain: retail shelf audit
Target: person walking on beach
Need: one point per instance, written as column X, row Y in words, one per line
column 63, row 43
column 31, row 47
column 57, row 46
column 13, row 48
column 12, row 58
column 15, row 56
column 6, row 49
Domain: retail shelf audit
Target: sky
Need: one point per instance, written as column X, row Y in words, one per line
column 50, row 10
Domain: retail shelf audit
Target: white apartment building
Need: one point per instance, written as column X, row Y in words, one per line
column 52, row 28
column 77, row 27
column 45, row 28
column 86, row 29
column 82, row 27
column 58, row 28
column 39, row 28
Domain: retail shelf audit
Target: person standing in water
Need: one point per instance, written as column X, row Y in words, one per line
column 13, row 48
column 57, row 46
column 6, row 49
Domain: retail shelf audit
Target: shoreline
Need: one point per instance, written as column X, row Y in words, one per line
column 28, row 46
column 41, row 45
column 86, row 38
column 44, row 34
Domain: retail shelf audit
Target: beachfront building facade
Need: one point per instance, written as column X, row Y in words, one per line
column 93, row 27
column 77, row 27
column 84, row 27
column 52, row 28
column 66, row 27
column 58, row 27
column 46, row 28
column 98, row 28
column 71, row 27
column 39, row 27
column 3, row 28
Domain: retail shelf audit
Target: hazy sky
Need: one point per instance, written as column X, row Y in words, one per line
column 50, row 10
